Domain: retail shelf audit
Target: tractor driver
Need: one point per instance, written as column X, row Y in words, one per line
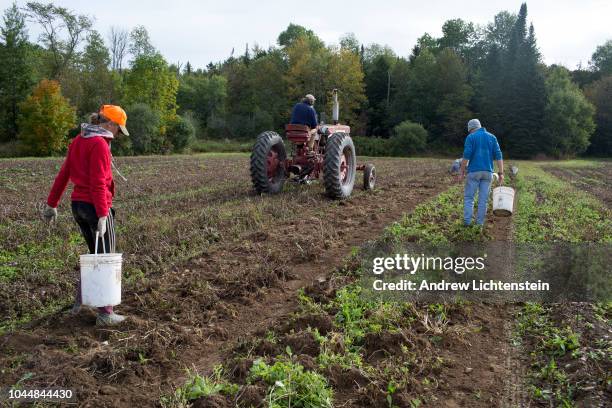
column 304, row 114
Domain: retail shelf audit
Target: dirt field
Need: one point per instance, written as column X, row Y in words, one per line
column 217, row 276
column 210, row 263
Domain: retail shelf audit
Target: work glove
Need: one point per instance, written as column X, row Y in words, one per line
column 50, row 214
column 101, row 226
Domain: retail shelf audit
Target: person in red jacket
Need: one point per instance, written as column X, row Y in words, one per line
column 88, row 167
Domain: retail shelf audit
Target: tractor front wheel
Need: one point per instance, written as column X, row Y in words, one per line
column 369, row 177
column 339, row 166
column 268, row 163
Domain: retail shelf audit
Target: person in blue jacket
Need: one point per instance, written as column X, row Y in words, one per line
column 480, row 149
column 304, row 113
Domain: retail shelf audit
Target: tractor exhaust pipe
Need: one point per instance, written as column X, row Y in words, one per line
column 335, row 107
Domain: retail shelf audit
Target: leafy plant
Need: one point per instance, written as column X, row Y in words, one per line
column 198, row 386
column 290, row 385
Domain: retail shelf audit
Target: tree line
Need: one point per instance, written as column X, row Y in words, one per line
column 397, row 105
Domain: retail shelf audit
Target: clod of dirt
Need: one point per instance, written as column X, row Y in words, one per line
column 308, row 362
column 252, row 396
column 302, row 343
column 336, row 343
column 212, row 401
column 320, row 292
column 241, row 370
column 322, row 322
column 379, row 345
column 104, row 363
column 346, row 378
column 266, row 348
column 371, row 396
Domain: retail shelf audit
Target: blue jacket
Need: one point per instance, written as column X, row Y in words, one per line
column 304, row 114
column 481, row 148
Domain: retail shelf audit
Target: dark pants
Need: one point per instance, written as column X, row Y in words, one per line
column 85, row 216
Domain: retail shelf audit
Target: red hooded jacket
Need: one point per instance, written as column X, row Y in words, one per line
column 88, row 166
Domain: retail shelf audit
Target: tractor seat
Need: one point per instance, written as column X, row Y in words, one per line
column 297, row 133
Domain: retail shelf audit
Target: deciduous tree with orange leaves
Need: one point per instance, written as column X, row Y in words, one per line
column 46, row 117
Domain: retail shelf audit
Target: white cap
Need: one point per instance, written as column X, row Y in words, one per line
column 473, row 124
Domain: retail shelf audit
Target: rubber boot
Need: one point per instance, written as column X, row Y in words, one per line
column 112, row 319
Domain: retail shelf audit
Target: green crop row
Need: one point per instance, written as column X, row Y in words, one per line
column 550, row 209
column 437, row 221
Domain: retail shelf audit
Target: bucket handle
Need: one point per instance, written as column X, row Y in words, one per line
column 96, row 247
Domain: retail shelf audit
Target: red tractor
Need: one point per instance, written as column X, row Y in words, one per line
column 333, row 154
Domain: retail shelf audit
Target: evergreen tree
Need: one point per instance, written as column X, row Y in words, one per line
column 378, row 84
column 16, row 76
column 600, row 94
column 523, row 96
column 452, row 93
column 490, row 92
column 188, row 69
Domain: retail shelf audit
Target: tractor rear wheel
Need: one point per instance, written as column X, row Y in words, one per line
column 339, row 166
column 268, row 163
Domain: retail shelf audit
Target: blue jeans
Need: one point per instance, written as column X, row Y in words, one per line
column 481, row 181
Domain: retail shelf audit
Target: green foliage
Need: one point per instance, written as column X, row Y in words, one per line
column 16, row 76
column 408, row 138
column 549, row 382
column 46, row 117
column 568, row 117
column 150, row 81
column 436, row 94
column 218, row 146
column 144, row 125
column 295, row 32
column 493, row 70
column 458, row 36
column 320, row 70
column 569, row 215
column 289, row 385
column 180, row 133
column 600, row 95
column 140, row 43
column 378, row 76
column 499, row 32
column 372, row 146
column 601, row 60
column 437, row 221
column 520, row 92
column 62, row 33
column 99, row 85
column 204, row 96
column 198, row 386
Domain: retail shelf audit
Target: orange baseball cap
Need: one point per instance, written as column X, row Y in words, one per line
column 117, row 115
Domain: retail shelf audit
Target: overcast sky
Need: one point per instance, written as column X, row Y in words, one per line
column 205, row 31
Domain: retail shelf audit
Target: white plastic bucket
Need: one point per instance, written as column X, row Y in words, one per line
column 503, row 201
column 101, row 279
